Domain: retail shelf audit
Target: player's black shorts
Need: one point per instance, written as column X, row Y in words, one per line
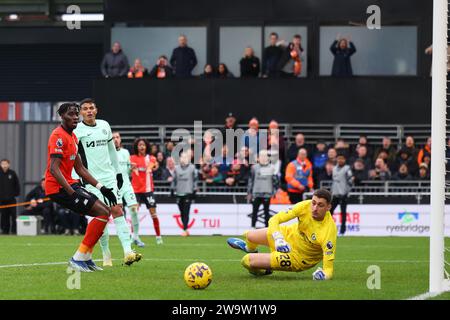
column 147, row 198
column 64, row 199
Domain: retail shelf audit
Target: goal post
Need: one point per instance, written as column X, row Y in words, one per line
column 438, row 136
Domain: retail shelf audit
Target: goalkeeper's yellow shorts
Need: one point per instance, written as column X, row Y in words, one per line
column 293, row 261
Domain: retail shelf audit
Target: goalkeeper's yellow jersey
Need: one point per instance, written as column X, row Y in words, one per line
column 312, row 240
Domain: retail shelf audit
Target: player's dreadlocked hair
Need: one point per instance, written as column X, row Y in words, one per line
column 65, row 106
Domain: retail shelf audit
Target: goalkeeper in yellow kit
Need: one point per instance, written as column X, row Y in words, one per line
column 296, row 247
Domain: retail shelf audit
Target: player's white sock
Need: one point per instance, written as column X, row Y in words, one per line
column 134, row 222
column 124, row 234
column 78, row 256
column 104, row 242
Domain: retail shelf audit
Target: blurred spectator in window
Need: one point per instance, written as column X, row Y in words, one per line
column 424, row 173
column 183, row 59
column 161, row 70
column 214, row 176
column 332, row 155
column 319, row 160
column 326, row 174
column 138, row 70
column 402, row 174
column 39, row 207
column 291, row 60
column 115, row 63
column 342, row 147
column 410, row 146
column 340, row 188
column 208, row 72
column 235, row 175
column 297, row 145
column 262, row 185
column 271, row 57
column 168, row 149
column 9, row 190
column 276, row 140
column 299, row 176
column 250, row 66
column 380, row 172
column 360, row 173
column 342, row 49
column 69, row 221
column 404, row 156
column 361, row 153
column 386, row 145
column 424, row 152
column 223, row 72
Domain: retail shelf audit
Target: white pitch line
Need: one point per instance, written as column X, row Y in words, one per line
column 425, row 296
column 38, row 264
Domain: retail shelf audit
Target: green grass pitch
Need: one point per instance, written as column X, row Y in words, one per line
column 35, row 268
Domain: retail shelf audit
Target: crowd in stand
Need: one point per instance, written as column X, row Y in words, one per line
column 301, row 166
column 280, row 59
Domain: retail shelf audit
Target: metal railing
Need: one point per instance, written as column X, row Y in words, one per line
column 313, row 132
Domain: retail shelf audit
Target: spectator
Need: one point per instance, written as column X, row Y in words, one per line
column 214, row 176
column 299, row 176
column 183, row 59
column 138, row 70
column 404, row 156
column 39, row 207
column 224, row 160
column 68, row 220
column 326, row 174
column 168, row 174
column 297, row 145
column 161, row 174
column 262, row 185
column 386, row 145
column 342, row 181
column 235, row 175
column 342, row 147
column 360, row 173
column 319, row 160
column 290, row 64
column 161, row 70
column 424, row 152
column 411, row 147
column 363, row 141
column 332, row 155
column 154, row 149
column 251, row 139
column 115, row 63
column 383, row 155
column 380, row 172
column 9, row 190
column 276, row 139
column 271, row 57
column 342, row 49
column 230, row 124
column 208, row 72
column 168, row 149
column 361, row 153
column 402, row 174
column 424, row 173
column 250, row 66
column 223, row 72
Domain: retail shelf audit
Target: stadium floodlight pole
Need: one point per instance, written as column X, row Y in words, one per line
column 438, row 124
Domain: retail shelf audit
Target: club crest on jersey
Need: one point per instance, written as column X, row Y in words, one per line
column 105, row 132
column 330, row 245
column 59, row 143
column 313, row 236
